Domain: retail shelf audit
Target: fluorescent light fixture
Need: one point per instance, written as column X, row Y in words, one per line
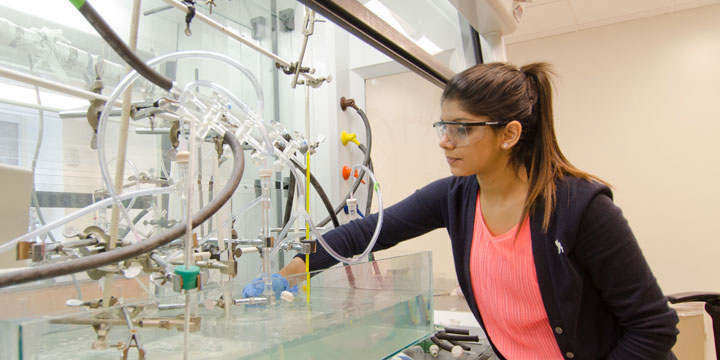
column 384, row 13
column 428, row 45
column 394, row 21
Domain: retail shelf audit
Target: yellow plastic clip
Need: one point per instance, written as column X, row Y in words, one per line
column 348, row 137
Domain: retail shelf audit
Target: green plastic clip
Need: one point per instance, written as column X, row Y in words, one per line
column 188, row 276
column 78, row 3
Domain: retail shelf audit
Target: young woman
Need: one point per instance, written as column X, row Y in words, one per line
column 547, row 262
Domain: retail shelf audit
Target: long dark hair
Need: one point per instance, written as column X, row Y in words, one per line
column 504, row 92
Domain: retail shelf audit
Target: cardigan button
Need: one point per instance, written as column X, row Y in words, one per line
column 558, row 330
column 569, row 355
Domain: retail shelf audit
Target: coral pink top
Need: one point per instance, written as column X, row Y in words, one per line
column 504, row 283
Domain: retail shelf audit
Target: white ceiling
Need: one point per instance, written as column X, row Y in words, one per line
column 543, row 18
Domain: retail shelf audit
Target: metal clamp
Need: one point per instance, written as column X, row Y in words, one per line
column 308, row 246
column 189, row 16
column 315, row 83
column 269, row 242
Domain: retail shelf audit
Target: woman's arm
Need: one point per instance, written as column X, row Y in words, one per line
column 294, row 267
column 419, row 213
column 607, row 249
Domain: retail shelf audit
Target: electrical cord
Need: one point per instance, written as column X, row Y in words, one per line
column 128, row 252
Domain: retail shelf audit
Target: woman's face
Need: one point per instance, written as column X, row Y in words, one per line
column 483, row 151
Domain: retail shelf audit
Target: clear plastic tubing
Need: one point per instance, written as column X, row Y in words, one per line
column 254, row 120
column 301, row 197
column 129, row 79
column 282, row 237
column 233, row 217
column 265, row 177
column 247, row 207
column 86, row 210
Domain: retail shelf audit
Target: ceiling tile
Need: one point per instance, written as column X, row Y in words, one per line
column 539, row 2
column 590, row 11
column 694, row 3
column 544, row 17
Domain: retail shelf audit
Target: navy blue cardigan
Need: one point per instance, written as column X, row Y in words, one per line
column 600, row 296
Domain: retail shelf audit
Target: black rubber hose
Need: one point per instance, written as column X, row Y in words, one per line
column 107, row 33
column 368, row 201
column 462, row 345
column 441, row 344
column 457, row 331
column 289, row 201
column 446, row 336
column 321, row 192
column 128, row 252
column 368, row 136
column 366, row 162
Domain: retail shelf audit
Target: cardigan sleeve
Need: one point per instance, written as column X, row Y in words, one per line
column 419, row 213
column 608, row 250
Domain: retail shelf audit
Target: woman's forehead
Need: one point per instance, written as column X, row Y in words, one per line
column 451, row 110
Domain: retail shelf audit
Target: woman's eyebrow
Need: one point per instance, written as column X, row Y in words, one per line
column 460, row 119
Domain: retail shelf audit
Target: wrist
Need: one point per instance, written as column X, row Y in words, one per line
column 296, row 266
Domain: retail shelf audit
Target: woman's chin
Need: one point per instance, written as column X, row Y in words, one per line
column 460, row 172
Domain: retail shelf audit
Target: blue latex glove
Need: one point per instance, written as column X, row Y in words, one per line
column 279, row 284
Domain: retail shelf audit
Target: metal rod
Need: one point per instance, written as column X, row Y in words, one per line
column 308, row 26
column 122, row 147
column 51, row 85
column 31, row 105
column 250, row 301
column 231, row 33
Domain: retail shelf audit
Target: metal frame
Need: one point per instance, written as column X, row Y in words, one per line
column 361, row 22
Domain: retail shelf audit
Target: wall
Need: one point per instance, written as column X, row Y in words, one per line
column 636, row 105
column 407, row 156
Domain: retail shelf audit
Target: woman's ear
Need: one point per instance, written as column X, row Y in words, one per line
column 511, row 134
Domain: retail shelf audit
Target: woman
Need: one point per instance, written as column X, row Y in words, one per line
column 547, row 263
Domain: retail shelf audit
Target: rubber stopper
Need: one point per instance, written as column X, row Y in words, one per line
column 182, row 157
column 287, row 296
column 188, row 276
column 457, row 351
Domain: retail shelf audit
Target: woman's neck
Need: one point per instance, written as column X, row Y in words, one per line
column 503, row 184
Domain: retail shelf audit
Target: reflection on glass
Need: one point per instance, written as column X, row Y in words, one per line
column 433, row 25
column 364, row 311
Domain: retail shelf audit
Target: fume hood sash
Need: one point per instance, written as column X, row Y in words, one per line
column 352, row 16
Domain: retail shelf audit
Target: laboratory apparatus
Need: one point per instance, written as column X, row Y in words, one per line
column 148, row 178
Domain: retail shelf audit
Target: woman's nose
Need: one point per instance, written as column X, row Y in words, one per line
column 445, row 143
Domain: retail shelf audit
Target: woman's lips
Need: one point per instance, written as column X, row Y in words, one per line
column 451, row 160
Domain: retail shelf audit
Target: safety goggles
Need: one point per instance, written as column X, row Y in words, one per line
column 456, row 132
